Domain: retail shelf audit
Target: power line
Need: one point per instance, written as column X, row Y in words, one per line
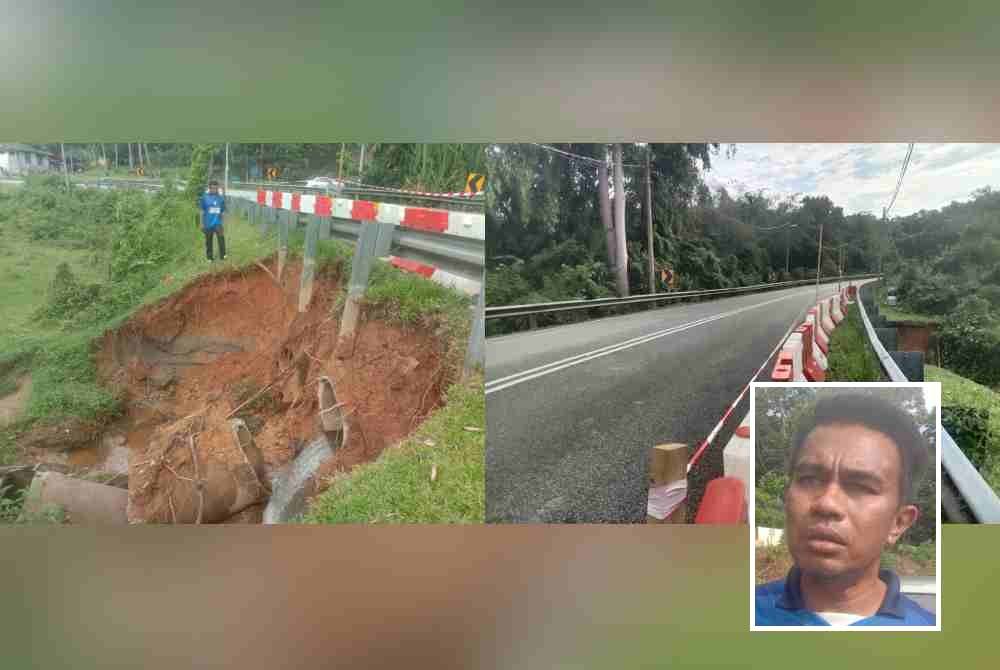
column 567, row 154
column 578, row 157
column 899, row 182
column 773, row 228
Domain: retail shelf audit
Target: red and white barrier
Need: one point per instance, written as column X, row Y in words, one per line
column 819, row 335
column 825, row 320
column 788, row 367
column 724, row 502
column 836, row 313
column 736, row 455
column 812, row 367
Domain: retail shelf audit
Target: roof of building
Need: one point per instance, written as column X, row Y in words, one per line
column 10, row 147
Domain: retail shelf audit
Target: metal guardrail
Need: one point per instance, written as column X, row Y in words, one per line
column 981, row 499
column 460, row 255
column 500, row 312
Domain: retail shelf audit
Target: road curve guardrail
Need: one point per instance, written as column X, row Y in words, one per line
column 982, row 501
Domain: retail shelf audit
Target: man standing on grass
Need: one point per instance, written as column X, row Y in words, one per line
column 212, row 207
column 854, row 468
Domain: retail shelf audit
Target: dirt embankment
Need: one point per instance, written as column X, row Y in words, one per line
column 188, row 363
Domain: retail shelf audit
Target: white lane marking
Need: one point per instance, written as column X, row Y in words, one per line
column 555, row 366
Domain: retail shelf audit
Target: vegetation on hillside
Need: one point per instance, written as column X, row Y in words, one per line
column 945, row 264
column 546, row 238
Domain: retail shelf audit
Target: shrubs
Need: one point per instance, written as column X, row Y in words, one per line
column 969, row 342
column 969, row 427
column 67, row 296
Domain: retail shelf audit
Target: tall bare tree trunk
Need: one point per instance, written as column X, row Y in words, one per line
column 620, row 247
column 116, row 155
column 62, row 148
column 651, row 268
column 604, row 196
column 131, row 163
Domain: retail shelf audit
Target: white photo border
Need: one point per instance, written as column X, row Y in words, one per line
column 751, row 507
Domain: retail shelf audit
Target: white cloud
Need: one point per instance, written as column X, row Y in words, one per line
column 861, row 177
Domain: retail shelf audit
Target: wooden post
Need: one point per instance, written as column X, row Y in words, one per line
column 668, row 465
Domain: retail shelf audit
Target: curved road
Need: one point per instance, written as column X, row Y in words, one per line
column 572, row 410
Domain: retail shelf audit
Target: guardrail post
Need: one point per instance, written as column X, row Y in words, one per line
column 324, row 227
column 283, row 217
column 383, row 239
column 308, row 264
column 361, row 267
column 475, row 353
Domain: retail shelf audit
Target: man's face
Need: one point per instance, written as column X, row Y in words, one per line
column 213, row 189
column 843, row 501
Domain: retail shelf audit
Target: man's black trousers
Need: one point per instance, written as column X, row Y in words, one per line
column 217, row 232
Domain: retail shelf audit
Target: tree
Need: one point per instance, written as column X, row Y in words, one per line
column 621, row 250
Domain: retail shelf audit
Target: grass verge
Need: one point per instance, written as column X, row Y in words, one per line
column 397, row 487
column 895, row 314
column 851, row 358
column 959, row 392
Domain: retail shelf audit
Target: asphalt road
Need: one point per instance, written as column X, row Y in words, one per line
column 572, row 410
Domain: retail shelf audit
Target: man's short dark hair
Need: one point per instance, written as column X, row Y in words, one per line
column 213, row 183
column 876, row 414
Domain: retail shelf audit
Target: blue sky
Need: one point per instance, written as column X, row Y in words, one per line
column 860, row 177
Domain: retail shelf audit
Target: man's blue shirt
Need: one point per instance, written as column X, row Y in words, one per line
column 212, row 207
column 780, row 603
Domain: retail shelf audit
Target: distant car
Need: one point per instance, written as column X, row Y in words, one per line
column 890, row 298
column 328, row 183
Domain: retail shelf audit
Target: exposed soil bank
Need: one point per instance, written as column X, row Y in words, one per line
column 186, row 363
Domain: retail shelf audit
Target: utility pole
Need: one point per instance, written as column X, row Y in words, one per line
column 225, row 182
column 819, row 258
column 885, row 229
column 361, row 163
column 649, row 222
column 116, row 155
column 788, row 247
column 62, row 147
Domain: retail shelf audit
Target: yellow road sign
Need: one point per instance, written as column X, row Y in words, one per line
column 141, row 171
column 475, row 183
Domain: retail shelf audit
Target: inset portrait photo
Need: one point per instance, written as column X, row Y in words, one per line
column 844, row 507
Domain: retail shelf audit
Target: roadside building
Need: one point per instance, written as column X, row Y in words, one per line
column 21, row 159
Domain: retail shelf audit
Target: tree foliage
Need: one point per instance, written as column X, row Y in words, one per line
column 946, row 263
column 539, row 200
